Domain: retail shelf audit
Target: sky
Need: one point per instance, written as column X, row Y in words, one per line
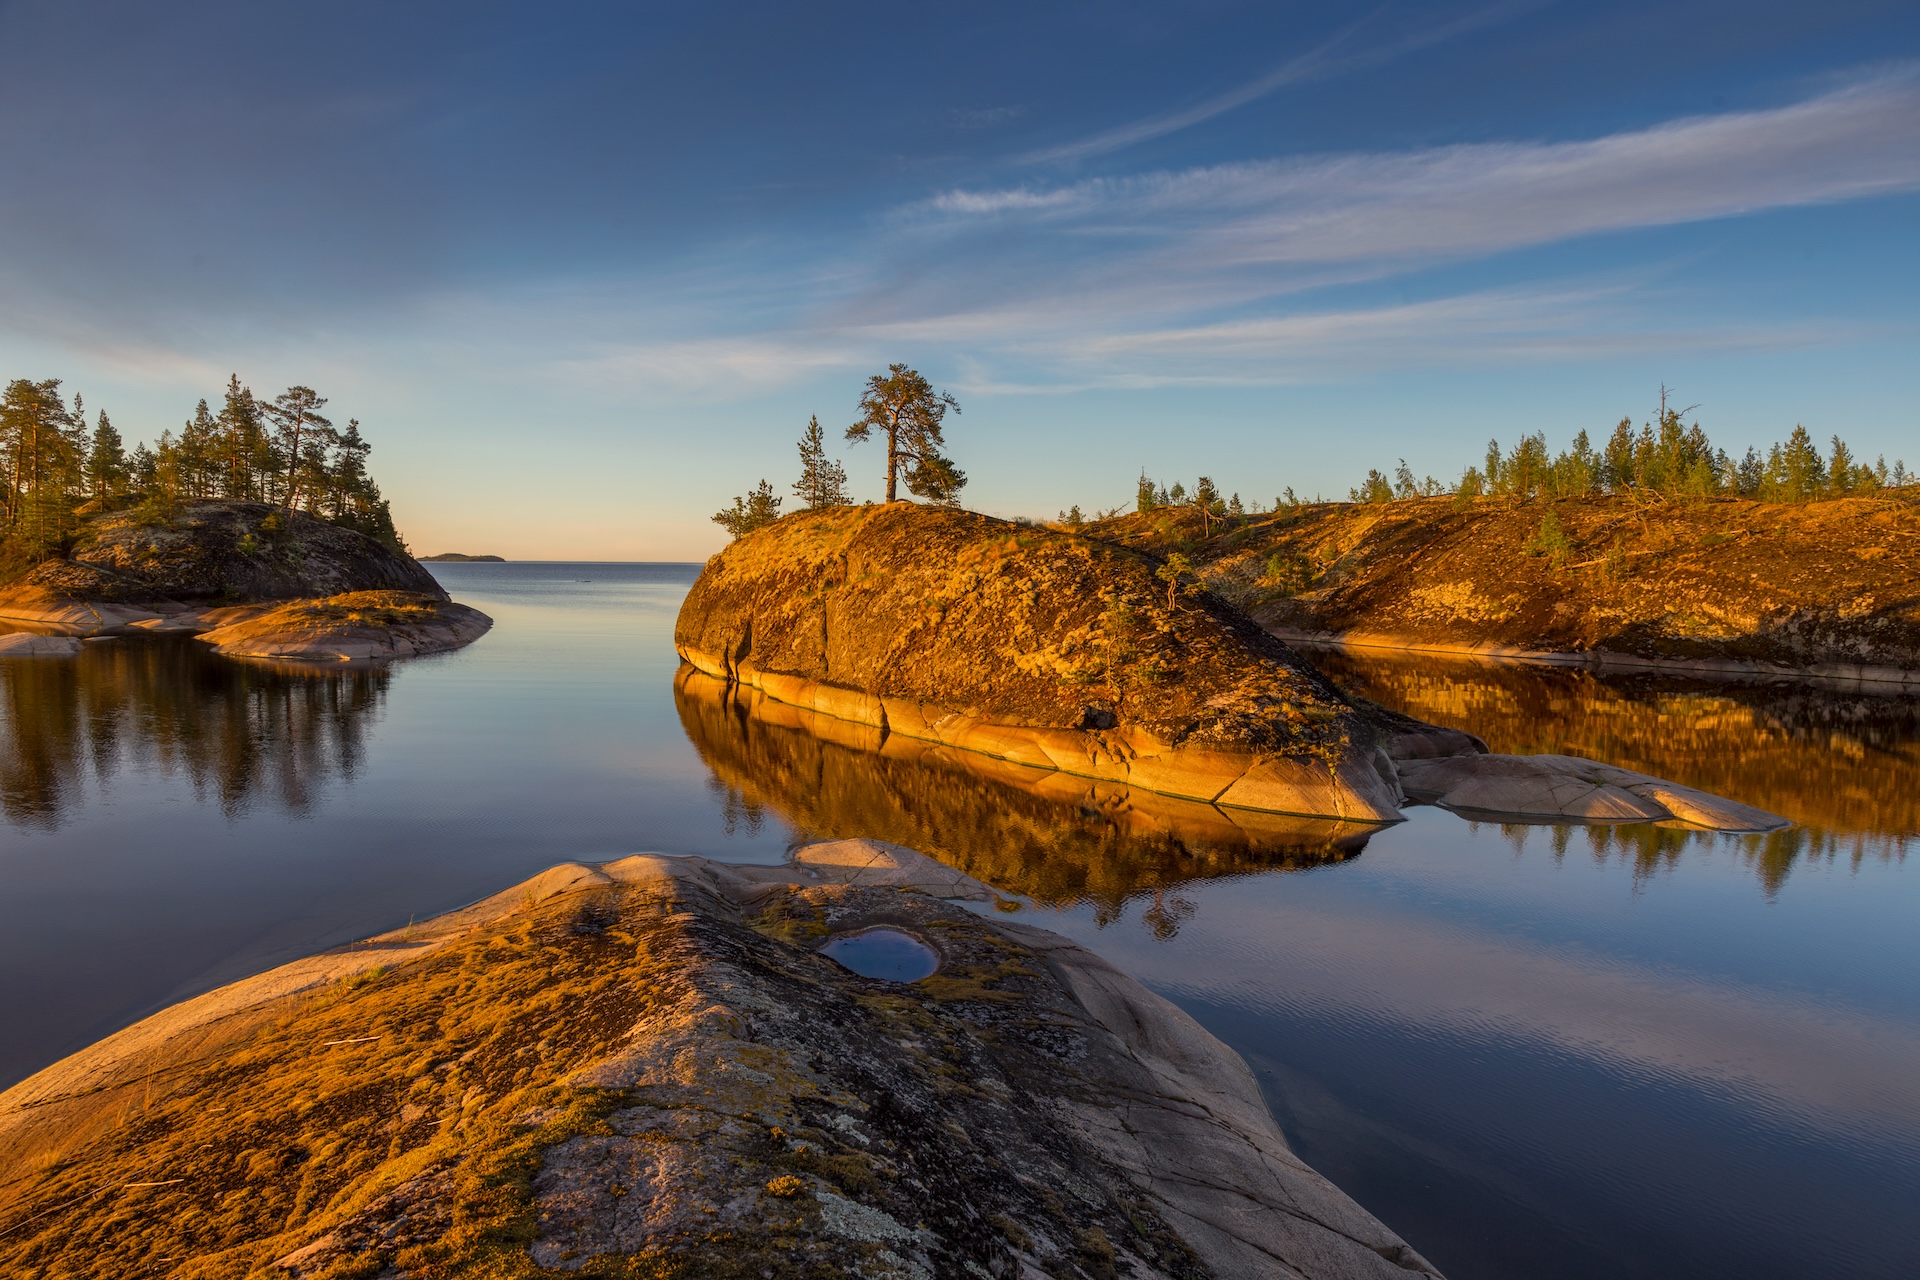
column 584, row 271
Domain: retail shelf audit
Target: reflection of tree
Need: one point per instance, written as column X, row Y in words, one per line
column 235, row 730
column 1844, row 766
column 1030, row 831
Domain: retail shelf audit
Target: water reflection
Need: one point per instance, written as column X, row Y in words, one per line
column 236, row 731
column 1844, row 766
column 1051, row 837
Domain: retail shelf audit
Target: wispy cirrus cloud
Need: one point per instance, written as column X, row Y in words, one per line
column 1347, row 51
column 1233, row 274
column 1488, row 197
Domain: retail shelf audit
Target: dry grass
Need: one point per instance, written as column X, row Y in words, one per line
column 357, row 608
column 347, row 1095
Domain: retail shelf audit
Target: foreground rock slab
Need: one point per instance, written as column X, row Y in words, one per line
column 363, row 626
column 643, row 1067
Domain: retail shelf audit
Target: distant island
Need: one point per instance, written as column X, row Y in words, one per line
column 257, row 529
column 454, row 557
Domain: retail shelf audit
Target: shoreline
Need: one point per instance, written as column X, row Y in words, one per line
column 1832, row 675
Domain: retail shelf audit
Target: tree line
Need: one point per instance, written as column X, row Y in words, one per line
column 1669, row 457
column 1674, row 459
column 58, row 468
column 898, row 407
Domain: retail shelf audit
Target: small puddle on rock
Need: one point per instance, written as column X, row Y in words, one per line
column 888, row 954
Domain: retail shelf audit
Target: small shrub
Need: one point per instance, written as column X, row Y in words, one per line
column 1550, row 541
column 1287, row 575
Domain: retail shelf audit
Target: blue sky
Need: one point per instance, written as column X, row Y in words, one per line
column 583, row 271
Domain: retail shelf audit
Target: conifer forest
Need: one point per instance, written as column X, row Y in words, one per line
column 57, row 467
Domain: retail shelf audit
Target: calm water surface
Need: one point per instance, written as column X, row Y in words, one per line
column 1532, row 1050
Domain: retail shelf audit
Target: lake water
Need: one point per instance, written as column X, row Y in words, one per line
column 1533, row 1051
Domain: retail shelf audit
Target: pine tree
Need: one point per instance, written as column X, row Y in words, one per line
column 823, row 481
column 295, row 414
column 1207, row 501
column 143, row 468
column 243, row 444
column 106, row 468
column 1841, row 478
column 756, row 511
column 1803, row 473
column 1145, row 496
column 905, row 407
column 199, row 463
column 40, row 446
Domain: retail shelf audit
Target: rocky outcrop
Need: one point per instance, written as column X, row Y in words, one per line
column 364, row 626
column 935, row 629
column 128, row 568
column 1827, row 588
column 647, row 1063
column 1038, row 647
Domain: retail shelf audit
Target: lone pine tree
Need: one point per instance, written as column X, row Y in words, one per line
column 904, row 406
column 823, row 481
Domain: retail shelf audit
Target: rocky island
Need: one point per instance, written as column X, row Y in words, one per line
column 1090, row 659
column 252, row 579
column 653, row 1067
column 1825, row 588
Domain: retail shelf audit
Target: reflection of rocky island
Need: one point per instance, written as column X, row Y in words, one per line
column 1036, row 832
column 1842, row 765
column 647, row 1067
column 237, row 731
column 1094, row 661
column 227, row 570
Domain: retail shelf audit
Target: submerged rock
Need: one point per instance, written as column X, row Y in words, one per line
column 1573, row 788
column 644, row 1067
column 1039, row 647
column 28, row 644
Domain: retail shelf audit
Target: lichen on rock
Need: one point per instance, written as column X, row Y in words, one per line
column 644, row 1068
